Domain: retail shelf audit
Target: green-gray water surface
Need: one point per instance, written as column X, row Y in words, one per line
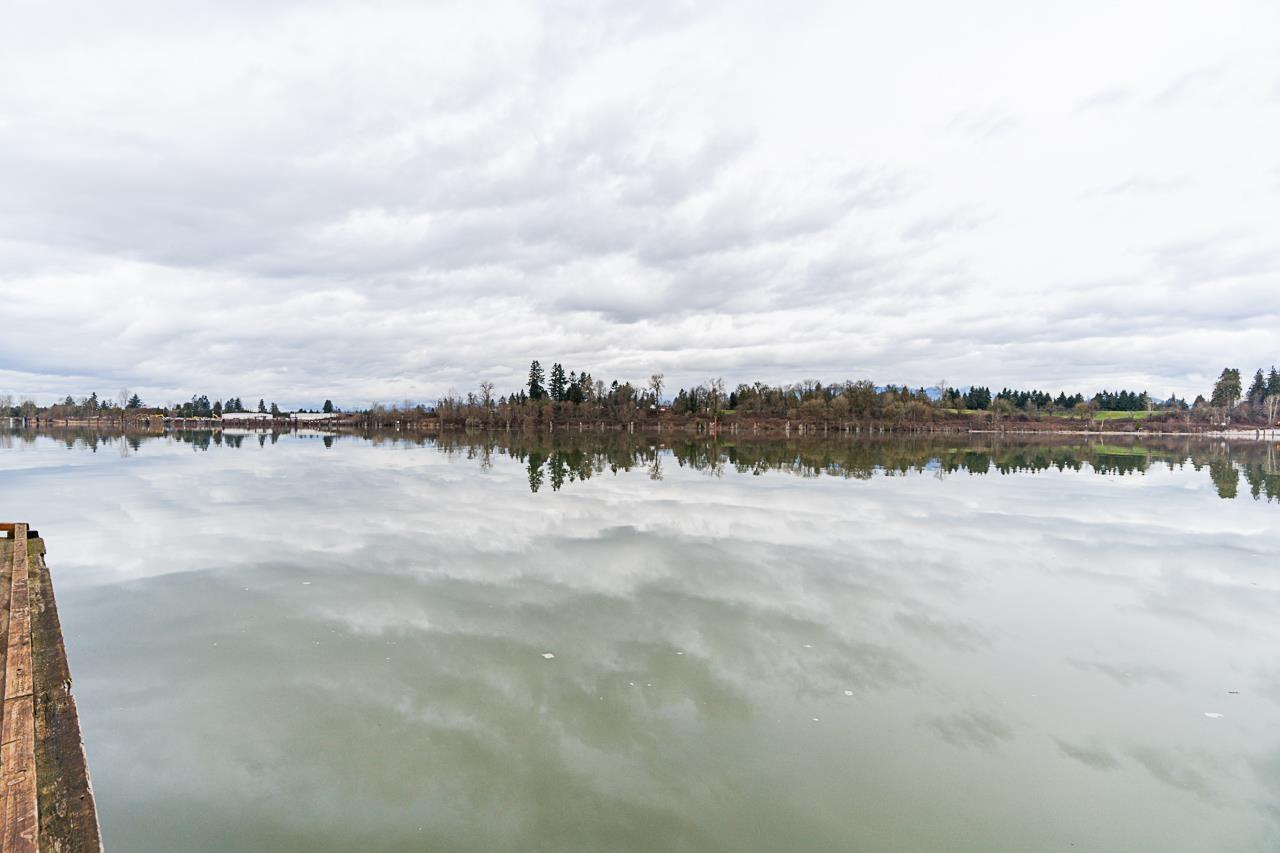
column 311, row 643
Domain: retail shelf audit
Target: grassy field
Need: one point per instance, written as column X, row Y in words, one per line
column 1122, row 416
column 1108, row 416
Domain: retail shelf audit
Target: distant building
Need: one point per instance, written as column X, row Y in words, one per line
column 313, row 417
column 248, row 417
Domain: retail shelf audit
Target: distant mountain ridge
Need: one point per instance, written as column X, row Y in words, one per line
column 934, row 393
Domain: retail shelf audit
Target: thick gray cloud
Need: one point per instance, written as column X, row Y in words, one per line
column 384, row 201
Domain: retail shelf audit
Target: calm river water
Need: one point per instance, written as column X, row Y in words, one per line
column 303, row 643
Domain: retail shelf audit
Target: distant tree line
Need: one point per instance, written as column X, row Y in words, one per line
column 575, row 394
column 558, row 394
column 128, row 405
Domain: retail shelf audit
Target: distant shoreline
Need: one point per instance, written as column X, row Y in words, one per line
column 729, row 429
column 1258, row 434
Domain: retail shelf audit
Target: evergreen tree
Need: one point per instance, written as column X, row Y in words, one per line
column 536, row 389
column 135, row 402
column 328, row 407
column 557, row 382
column 275, row 410
column 217, row 409
column 262, row 407
column 1258, row 389
column 1271, row 401
column 1226, row 391
column 978, row 397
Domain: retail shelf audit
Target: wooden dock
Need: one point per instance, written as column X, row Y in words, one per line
column 47, row 800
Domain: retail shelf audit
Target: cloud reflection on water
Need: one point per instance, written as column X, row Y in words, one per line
column 740, row 660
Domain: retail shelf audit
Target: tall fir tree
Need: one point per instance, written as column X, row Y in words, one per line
column 1226, row 391
column 536, row 389
column 1258, row 388
column 557, row 382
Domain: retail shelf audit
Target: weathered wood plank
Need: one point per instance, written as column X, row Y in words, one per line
column 18, row 758
column 6, row 575
column 17, row 727
column 46, row 801
column 68, row 817
column 17, row 670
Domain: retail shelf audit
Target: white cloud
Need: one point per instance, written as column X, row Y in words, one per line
column 362, row 202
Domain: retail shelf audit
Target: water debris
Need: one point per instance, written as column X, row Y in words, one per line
column 679, row 653
column 1234, row 692
column 1213, row 715
column 848, row 693
column 306, row 583
column 808, row 646
column 548, row 655
column 816, row 720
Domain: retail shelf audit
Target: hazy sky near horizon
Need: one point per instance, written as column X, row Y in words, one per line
column 384, row 201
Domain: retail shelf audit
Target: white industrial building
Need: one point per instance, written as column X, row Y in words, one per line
column 248, row 417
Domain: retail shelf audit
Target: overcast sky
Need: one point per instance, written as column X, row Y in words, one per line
column 381, row 201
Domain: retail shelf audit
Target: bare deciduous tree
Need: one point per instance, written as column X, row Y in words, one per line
column 655, row 385
column 715, row 388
